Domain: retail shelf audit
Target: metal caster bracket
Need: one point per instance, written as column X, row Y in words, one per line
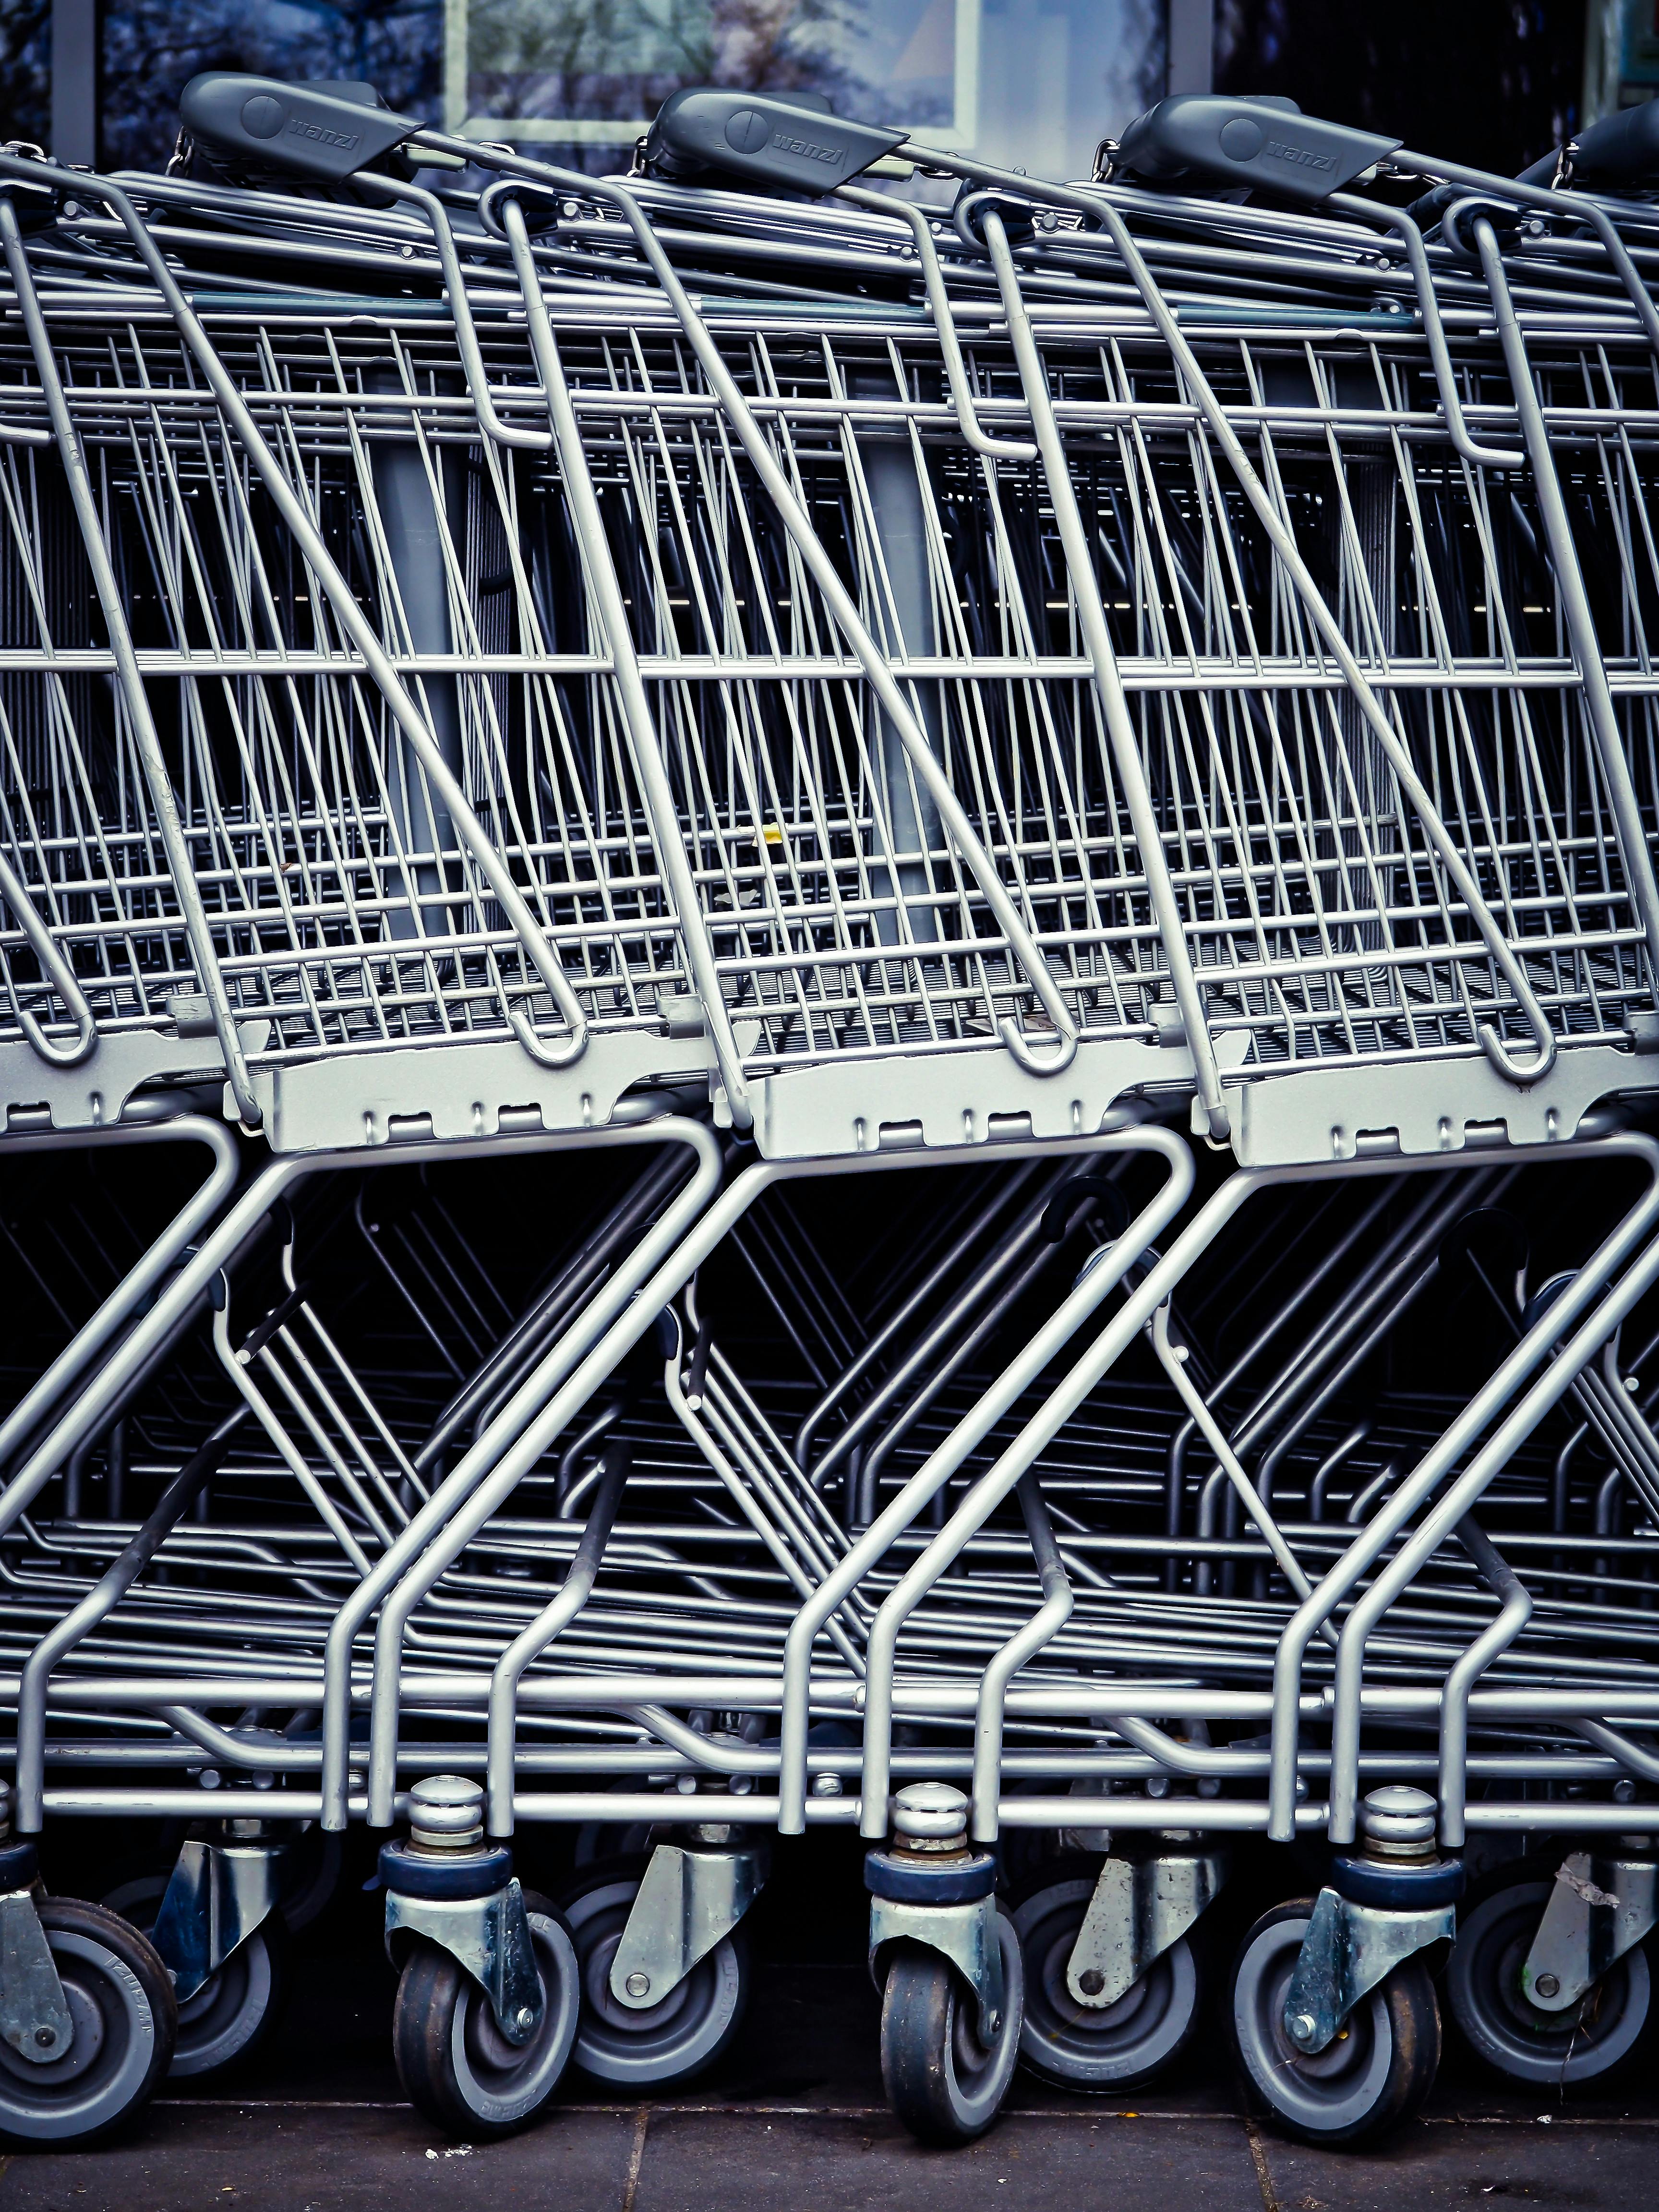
column 217, row 1897
column 689, row 1901
column 1347, row 1951
column 966, row 1935
column 1598, row 1910
column 35, row 2019
column 490, row 1937
column 1141, row 1908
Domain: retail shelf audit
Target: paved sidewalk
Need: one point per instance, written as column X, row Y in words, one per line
column 323, row 2157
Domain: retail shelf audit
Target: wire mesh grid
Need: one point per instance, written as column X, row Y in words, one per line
column 347, row 916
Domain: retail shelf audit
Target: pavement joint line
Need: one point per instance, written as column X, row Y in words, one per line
column 636, row 2158
column 1264, row 2181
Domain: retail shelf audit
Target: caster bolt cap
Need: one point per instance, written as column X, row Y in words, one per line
column 638, row 1985
column 46, row 2037
column 1092, row 1982
column 1303, row 2027
column 930, row 1816
column 525, row 2016
column 1546, row 1985
column 446, row 1812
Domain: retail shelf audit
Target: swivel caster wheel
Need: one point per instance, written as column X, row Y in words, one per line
column 943, row 2080
column 1375, row 2073
column 1118, row 2046
column 647, row 2048
column 227, row 2021
column 1494, row 2014
column 455, row 2064
column 122, row 2011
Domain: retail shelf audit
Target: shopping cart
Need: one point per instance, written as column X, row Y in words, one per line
column 946, row 850
column 269, row 800
column 355, row 1082
column 1623, row 832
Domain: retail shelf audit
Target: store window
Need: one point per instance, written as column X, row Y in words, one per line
column 1496, row 83
column 152, row 48
column 1035, row 83
column 1042, row 80
column 26, row 70
column 593, row 71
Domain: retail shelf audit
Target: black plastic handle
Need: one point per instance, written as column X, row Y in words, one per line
column 1620, row 149
column 324, row 131
column 762, row 140
column 1265, row 141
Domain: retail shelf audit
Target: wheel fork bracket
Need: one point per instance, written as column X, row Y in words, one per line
column 688, row 1902
column 1347, row 1951
column 34, row 2018
column 1599, row 1909
column 217, row 1895
column 490, row 1937
column 1141, row 1908
column 966, row 1935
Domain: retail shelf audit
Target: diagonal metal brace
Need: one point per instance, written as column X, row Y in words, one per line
column 490, row 1937
column 966, row 1935
column 1348, row 1950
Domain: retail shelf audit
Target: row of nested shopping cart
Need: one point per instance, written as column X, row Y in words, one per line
column 827, row 1007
